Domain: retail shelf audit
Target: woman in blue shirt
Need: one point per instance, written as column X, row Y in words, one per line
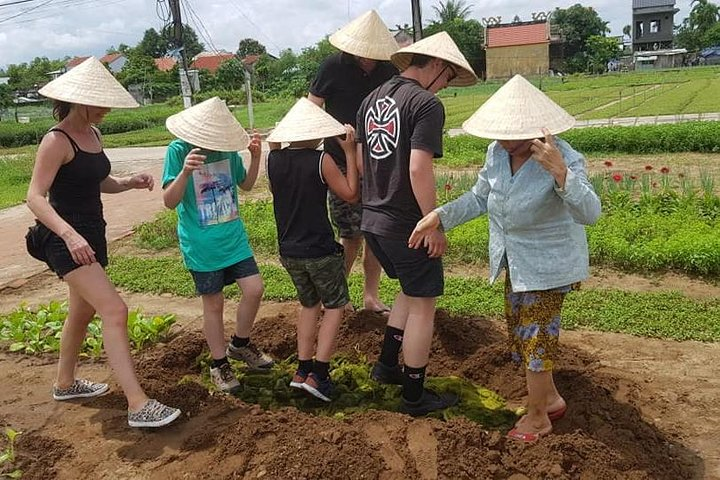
column 535, row 191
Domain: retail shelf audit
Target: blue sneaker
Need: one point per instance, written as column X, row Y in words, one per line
column 321, row 389
column 381, row 373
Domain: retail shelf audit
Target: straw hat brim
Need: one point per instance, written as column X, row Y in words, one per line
column 367, row 36
column 439, row 45
column 209, row 125
column 305, row 121
column 89, row 83
column 518, row 111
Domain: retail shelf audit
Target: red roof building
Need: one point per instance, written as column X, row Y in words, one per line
column 74, row 62
column 165, row 64
column 211, row 61
column 518, row 48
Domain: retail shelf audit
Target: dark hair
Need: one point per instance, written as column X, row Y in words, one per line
column 419, row 60
column 61, row 109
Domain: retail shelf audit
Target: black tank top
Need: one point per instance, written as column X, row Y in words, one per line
column 300, row 202
column 76, row 188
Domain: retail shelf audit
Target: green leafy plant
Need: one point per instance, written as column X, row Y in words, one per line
column 7, row 456
column 37, row 331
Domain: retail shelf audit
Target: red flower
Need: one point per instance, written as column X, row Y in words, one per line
column 648, row 167
column 617, row 178
column 448, row 187
column 665, row 170
column 633, row 177
column 608, row 163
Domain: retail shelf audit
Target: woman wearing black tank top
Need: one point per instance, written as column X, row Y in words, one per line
column 71, row 170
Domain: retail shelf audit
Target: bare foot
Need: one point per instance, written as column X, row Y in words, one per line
column 375, row 305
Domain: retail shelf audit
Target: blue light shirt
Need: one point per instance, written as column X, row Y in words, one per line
column 536, row 228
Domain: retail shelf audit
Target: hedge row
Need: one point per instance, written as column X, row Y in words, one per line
column 118, row 121
column 466, row 150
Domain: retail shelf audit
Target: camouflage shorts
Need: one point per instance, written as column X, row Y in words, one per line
column 345, row 216
column 319, row 280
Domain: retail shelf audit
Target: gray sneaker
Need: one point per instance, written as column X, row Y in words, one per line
column 224, row 378
column 254, row 358
column 153, row 414
column 80, row 388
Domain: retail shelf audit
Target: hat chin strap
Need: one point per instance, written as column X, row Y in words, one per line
column 436, row 78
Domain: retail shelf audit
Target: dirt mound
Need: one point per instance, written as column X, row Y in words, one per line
column 37, row 455
column 599, row 438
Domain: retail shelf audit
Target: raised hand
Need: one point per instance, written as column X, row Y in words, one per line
column 255, row 146
column 547, row 154
column 193, row 161
column 141, row 181
column 349, row 142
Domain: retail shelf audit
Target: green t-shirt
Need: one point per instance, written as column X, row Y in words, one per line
column 212, row 234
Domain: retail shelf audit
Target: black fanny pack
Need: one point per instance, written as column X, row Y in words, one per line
column 35, row 239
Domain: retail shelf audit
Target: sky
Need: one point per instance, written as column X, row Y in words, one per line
column 59, row 28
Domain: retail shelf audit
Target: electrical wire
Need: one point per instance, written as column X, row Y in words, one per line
column 199, row 26
column 15, row 3
column 51, row 10
column 3, row 20
column 232, row 2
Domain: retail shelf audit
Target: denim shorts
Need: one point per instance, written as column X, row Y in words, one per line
column 319, row 280
column 207, row 283
column 419, row 275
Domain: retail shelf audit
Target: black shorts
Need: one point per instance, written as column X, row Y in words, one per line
column 92, row 230
column 207, row 283
column 419, row 275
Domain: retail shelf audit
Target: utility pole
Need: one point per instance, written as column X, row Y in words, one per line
column 185, row 84
column 417, row 20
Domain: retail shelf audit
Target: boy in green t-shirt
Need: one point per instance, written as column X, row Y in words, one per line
column 200, row 179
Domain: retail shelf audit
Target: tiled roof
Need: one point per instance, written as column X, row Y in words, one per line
column 652, row 3
column 74, row 62
column 512, row 35
column 111, row 57
column 211, row 62
column 164, row 64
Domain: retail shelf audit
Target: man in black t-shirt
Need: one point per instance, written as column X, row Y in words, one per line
column 341, row 83
column 400, row 127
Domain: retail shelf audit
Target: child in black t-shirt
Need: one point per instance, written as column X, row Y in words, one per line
column 299, row 177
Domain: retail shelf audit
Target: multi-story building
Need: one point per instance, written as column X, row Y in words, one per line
column 652, row 27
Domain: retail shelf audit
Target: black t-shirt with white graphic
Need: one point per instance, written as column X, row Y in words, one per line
column 397, row 117
column 343, row 85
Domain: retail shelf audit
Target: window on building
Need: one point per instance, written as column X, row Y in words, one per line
column 638, row 29
column 654, row 26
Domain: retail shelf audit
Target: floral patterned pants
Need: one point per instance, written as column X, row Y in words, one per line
column 533, row 321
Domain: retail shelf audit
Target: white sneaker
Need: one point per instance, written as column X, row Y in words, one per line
column 80, row 388
column 224, row 378
column 153, row 414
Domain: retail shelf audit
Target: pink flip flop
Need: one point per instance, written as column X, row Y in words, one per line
column 556, row 415
column 525, row 437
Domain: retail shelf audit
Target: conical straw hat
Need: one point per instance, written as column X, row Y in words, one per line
column 367, row 36
column 305, row 121
column 209, row 125
column 90, row 83
column 441, row 46
column 518, row 111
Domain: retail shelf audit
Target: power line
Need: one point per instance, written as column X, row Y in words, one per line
column 46, row 13
column 24, row 11
column 15, row 3
column 200, row 26
column 232, row 2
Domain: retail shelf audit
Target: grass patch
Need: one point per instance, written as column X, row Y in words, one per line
column 15, row 173
column 355, row 392
column 37, row 331
column 661, row 315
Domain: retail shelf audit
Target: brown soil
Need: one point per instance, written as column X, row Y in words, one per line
column 639, row 409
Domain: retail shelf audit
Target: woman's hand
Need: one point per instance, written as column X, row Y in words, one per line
column 193, row 161
column 142, row 181
column 255, row 146
column 547, row 154
column 427, row 225
column 349, row 143
column 79, row 248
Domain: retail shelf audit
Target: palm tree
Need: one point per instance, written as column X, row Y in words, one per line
column 703, row 15
column 451, row 10
column 627, row 31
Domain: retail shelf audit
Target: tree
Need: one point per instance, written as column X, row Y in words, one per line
column 695, row 32
column 712, row 36
column 627, row 31
column 153, row 44
column 6, row 97
column 577, row 24
column 452, row 10
column 25, row 76
column 599, row 51
column 467, row 35
column 230, row 75
column 250, row 46
column 192, row 44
